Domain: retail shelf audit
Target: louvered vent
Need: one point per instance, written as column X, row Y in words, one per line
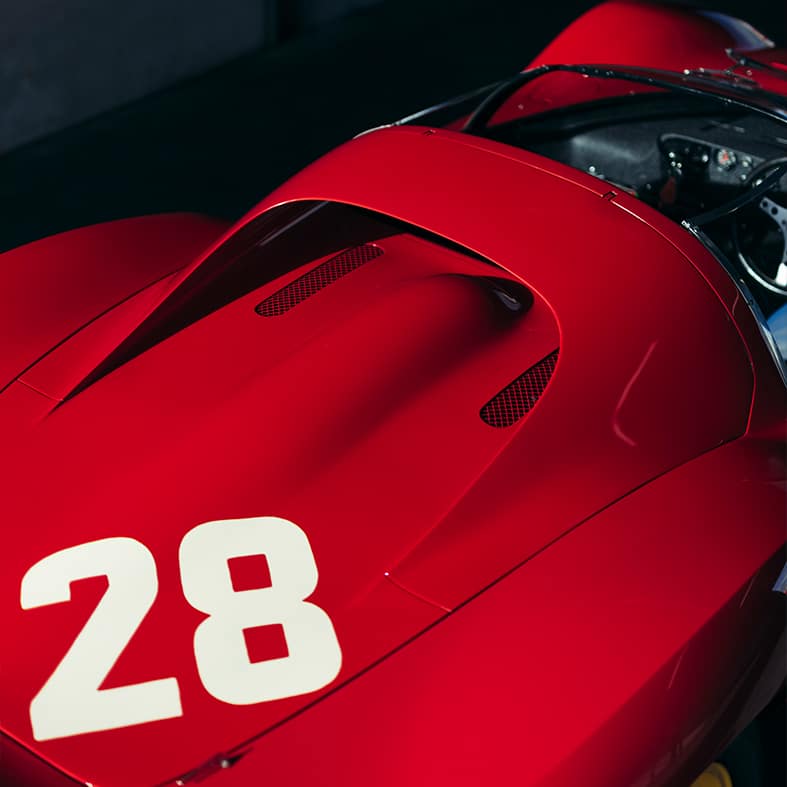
column 520, row 396
column 316, row 279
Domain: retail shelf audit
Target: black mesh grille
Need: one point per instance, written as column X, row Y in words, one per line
column 519, row 397
column 312, row 282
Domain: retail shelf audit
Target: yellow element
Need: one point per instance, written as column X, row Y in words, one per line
column 715, row 775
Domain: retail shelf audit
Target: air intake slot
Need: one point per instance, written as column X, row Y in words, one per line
column 316, row 279
column 520, row 396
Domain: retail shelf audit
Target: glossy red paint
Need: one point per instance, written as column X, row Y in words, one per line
column 613, row 424
column 531, row 678
column 645, row 35
column 583, row 597
column 57, row 285
column 478, row 229
column 673, row 38
column 561, row 89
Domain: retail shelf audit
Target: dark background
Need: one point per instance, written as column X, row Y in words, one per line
column 323, row 71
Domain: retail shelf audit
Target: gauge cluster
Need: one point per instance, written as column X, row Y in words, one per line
column 726, row 166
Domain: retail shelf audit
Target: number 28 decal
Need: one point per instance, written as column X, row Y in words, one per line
column 71, row 702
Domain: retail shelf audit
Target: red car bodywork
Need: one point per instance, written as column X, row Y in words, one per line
column 584, row 597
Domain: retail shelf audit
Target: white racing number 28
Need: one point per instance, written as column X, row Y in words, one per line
column 71, row 702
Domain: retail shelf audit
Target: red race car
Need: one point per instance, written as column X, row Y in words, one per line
column 459, row 460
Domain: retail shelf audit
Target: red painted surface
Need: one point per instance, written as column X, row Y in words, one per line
column 645, row 35
column 599, row 662
column 583, row 597
column 629, row 32
column 562, row 89
column 55, row 286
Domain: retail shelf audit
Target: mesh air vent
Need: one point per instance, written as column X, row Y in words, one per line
column 316, row 279
column 520, row 396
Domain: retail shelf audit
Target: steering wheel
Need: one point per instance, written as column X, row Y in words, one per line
column 759, row 231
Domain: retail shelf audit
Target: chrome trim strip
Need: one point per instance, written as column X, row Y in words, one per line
column 744, row 290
